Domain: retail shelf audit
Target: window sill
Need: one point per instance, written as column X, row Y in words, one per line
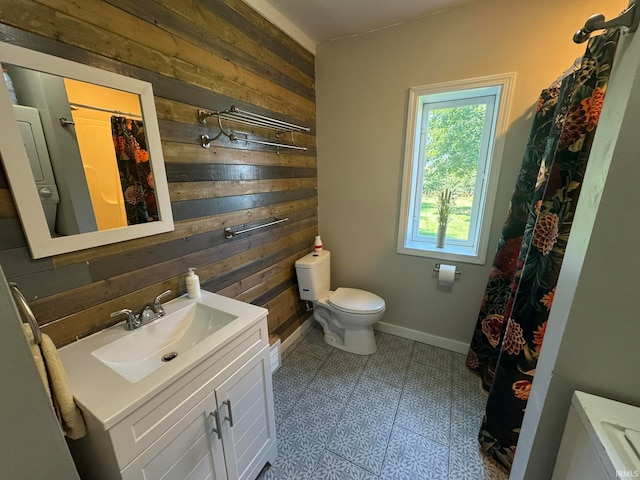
column 449, row 253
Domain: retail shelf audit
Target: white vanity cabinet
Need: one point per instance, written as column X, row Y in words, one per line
column 216, row 421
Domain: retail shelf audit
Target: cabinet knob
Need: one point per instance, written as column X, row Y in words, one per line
column 216, row 419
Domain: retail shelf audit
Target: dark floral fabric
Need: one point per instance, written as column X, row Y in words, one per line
column 513, row 316
column 138, row 187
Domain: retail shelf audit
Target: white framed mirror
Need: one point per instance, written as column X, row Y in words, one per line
column 89, row 170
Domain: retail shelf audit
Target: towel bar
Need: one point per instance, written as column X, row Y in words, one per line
column 31, row 318
column 228, row 233
column 234, row 114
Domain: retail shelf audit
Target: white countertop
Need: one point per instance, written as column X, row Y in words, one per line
column 109, row 396
column 614, row 429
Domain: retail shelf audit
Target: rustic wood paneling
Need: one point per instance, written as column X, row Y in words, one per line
column 191, row 153
column 187, row 229
column 242, row 17
column 186, row 133
column 197, row 190
column 183, row 19
column 213, row 206
column 183, row 172
column 208, row 54
column 131, row 44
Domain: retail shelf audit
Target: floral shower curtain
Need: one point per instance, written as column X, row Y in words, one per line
column 135, row 171
column 513, row 316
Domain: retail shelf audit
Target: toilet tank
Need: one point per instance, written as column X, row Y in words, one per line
column 314, row 275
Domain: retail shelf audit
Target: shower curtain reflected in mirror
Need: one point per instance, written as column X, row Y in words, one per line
column 513, row 316
column 136, row 176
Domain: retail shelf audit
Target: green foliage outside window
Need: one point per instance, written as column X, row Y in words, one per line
column 453, row 145
column 454, row 136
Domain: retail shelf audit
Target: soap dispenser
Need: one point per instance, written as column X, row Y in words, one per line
column 193, row 284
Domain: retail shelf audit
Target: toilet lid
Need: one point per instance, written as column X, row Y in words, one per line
column 352, row 300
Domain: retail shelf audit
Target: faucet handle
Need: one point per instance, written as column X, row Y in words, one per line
column 157, row 306
column 163, row 294
column 133, row 321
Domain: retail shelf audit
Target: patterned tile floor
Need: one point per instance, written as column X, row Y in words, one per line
column 409, row 411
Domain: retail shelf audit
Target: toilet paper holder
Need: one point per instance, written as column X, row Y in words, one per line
column 437, row 269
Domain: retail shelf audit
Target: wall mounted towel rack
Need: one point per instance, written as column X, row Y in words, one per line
column 628, row 20
column 228, row 233
column 234, row 114
column 31, row 318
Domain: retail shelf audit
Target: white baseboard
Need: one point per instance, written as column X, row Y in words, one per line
column 296, row 334
column 422, row 337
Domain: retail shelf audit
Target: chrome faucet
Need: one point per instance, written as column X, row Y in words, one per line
column 148, row 312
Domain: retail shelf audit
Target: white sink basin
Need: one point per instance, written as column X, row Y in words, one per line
column 115, row 371
column 157, row 343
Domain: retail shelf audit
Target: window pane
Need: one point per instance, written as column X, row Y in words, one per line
column 454, row 143
column 451, row 150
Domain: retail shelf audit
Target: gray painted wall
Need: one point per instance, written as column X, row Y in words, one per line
column 32, row 445
column 362, row 93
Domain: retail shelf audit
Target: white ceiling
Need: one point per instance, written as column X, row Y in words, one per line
column 323, row 20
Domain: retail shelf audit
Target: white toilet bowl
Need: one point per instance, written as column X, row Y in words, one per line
column 347, row 315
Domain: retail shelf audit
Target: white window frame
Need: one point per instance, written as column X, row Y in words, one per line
column 450, row 93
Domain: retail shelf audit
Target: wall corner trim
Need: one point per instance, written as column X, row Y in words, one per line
column 276, row 17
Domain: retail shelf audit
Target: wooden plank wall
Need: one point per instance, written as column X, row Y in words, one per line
column 197, row 54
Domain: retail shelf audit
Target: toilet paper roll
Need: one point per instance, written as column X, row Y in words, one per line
column 446, row 275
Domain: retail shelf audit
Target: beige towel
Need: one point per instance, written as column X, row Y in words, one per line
column 56, row 384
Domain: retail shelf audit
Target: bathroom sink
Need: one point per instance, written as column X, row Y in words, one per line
column 144, row 350
column 115, row 371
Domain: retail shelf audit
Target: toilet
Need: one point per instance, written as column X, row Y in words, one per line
column 347, row 315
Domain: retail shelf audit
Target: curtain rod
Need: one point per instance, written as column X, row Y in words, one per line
column 75, row 106
column 627, row 20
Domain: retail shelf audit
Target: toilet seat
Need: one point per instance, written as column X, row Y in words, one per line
column 353, row 300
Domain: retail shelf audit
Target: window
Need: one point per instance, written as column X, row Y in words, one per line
column 455, row 137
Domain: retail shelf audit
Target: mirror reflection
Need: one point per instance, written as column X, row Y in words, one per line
column 90, row 169
column 87, row 150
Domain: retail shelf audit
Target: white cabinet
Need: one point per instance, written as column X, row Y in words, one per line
column 246, row 431
column 215, row 422
column 188, row 451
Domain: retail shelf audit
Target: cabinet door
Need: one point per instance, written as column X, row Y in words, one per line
column 189, row 450
column 245, row 402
